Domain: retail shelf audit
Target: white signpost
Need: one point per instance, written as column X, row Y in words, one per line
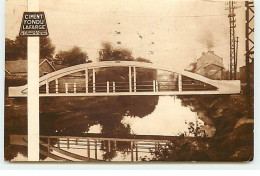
column 33, row 53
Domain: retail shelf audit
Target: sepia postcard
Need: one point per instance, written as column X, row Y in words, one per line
column 129, row 81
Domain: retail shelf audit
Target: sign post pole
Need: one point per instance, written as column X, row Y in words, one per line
column 33, row 54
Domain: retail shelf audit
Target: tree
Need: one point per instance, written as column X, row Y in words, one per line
column 17, row 49
column 10, row 49
column 46, row 48
column 73, row 56
column 109, row 53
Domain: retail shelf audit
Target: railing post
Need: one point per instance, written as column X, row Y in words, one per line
column 47, row 86
column 132, row 151
column 107, row 86
column 114, row 86
column 154, row 85
column 76, row 141
column 75, row 87
column 130, row 79
column 88, row 148
column 58, row 142
column 86, row 79
column 109, row 146
column 136, row 151
column 66, row 88
column 180, row 82
column 94, row 81
column 134, row 79
column 48, row 146
column 96, row 149
column 57, row 85
column 156, row 146
column 68, row 143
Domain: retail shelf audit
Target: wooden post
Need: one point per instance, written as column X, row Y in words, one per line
column 86, row 79
column 136, row 151
column 180, row 82
column 94, row 81
column 76, row 141
column 88, row 148
column 114, row 86
column 107, row 86
column 130, row 79
column 66, row 88
column 134, row 79
column 154, row 85
column 47, row 86
column 96, row 149
column 132, row 151
column 68, row 143
column 57, row 85
column 75, row 87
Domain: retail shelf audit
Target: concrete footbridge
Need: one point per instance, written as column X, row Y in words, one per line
column 184, row 82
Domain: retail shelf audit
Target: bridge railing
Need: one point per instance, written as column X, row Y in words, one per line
column 136, row 148
column 113, row 87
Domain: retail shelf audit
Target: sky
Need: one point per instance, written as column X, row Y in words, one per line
column 164, row 31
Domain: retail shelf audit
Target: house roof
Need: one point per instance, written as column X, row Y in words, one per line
column 213, row 64
column 20, row 66
column 204, row 66
column 45, row 60
column 210, row 53
column 58, row 66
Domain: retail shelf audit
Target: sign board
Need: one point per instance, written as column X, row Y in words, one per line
column 34, row 24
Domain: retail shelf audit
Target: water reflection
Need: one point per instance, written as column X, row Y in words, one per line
column 169, row 118
column 159, row 116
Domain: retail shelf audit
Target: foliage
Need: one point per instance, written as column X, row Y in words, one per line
column 232, row 141
column 74, row 56
column 184, row 149
column 109, row 53
column 17, row 49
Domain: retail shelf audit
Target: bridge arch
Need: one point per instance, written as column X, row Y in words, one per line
column 222, row 86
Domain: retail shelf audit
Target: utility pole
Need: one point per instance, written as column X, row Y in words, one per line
column 249, row 37
column 236, row 55
column 232, row 26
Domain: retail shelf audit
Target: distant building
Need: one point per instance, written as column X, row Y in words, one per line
column 242, row 76
column 19, row 67
column 210, row 66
